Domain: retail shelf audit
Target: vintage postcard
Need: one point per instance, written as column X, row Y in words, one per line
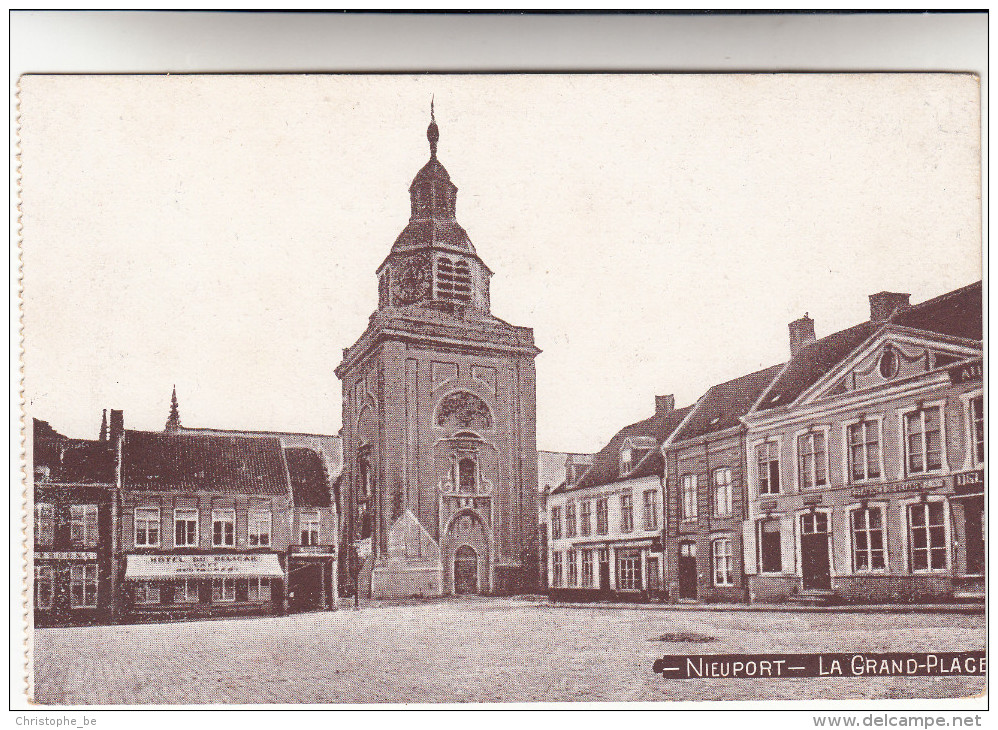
column 547, row 388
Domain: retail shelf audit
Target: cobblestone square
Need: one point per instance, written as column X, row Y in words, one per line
column 478, row 650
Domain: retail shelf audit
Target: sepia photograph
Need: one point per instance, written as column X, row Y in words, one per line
column 493, row 389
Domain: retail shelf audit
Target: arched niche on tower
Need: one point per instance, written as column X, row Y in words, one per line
column 463, row 410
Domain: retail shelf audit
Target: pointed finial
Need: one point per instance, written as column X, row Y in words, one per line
column 433, row 132
column 103, row 425
column 173, row 420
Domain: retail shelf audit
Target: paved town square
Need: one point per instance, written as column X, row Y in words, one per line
column 472, row 650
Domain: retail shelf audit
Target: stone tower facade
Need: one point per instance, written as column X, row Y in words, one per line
column 439, row 437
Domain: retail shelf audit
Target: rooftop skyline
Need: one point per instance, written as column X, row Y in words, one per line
column 657, row 232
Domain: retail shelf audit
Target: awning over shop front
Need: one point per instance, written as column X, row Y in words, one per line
column 234, row 565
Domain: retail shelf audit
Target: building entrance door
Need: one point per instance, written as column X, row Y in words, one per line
column 815, row 567
column 604, row 570
column 465, row 571
column 973, row 516
column 687, row 570
column 307, row 583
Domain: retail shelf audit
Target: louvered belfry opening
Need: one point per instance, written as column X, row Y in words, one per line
column 453, row 280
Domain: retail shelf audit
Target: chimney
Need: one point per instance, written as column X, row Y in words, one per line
column 884, row 304
column 664, row 404
column 117, row 426
column 801, row 334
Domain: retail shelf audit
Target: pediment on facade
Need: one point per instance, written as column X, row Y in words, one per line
column 890, row 357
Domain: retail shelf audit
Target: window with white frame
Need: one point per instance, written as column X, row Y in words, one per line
column 259, row 527
column 812, row 464
column 573, row 568
column 626, row 512
column 770, row 550
column 602, row 516
column 629, row 571
column 570, row 520
column 587, row 568
column 556, row 575
column 723, row 562
column 147, row 592
column 259, row 590
column 585, row 518
column 923, row 440
column 185, row 527
column 308, row 523
column 688, row 496
column 83, row 524
column 650, row 509
column 83, row 585
column 864, row 450
column 626, row 460
column 868, row 552
column 556, row 523
column 147, row 526
column 927, row 536
column 977, row 429
column 223, row 527
column 767, row 459
column 185, row 591
column 223, row 590
column 44, row 586
column 722, row 492
column 44, row 524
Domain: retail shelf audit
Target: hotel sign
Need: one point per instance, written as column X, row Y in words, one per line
column 919, row 485
column 967, row 372
column 969, row 482
column 233, row 565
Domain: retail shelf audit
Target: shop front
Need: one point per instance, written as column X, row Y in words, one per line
column 311, row 577
column 164, row 586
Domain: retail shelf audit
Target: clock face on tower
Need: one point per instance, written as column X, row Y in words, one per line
column 412, row 282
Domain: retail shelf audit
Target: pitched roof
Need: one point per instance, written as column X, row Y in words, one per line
column 724, row 404
column 957, row 313
column 606, row 462
column 198, row 462
column 309, row 481
column 61, row 459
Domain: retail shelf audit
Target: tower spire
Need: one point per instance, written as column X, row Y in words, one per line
column 103, row 425
column 433, row 131
column 173, row 420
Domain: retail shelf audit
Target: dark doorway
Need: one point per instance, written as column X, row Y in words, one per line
column 973, row 520
column 604, row 570
column 815, row 568
column 465, row 571
column 307, row 583
column 688, row 570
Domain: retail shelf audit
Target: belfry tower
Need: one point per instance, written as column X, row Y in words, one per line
column 439, row 438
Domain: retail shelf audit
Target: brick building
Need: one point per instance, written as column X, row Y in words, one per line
column 439, row 441
column 705, row 492
column 605, row 531
column 866, row 454
column 72, row 578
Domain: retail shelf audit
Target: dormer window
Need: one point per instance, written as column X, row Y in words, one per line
column 453, row 280
column 632, row 455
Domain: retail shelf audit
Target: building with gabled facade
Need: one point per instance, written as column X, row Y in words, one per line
column 315, row 464
column 705, row 498
column 439, row 439
column 605, row 531
column 866, row 459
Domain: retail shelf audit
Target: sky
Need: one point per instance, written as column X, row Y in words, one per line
column 658, row 232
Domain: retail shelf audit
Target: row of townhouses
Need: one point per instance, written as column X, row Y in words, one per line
column 140, row 525
column 853, row 472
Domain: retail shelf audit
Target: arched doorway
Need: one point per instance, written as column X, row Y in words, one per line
column 465, row 571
